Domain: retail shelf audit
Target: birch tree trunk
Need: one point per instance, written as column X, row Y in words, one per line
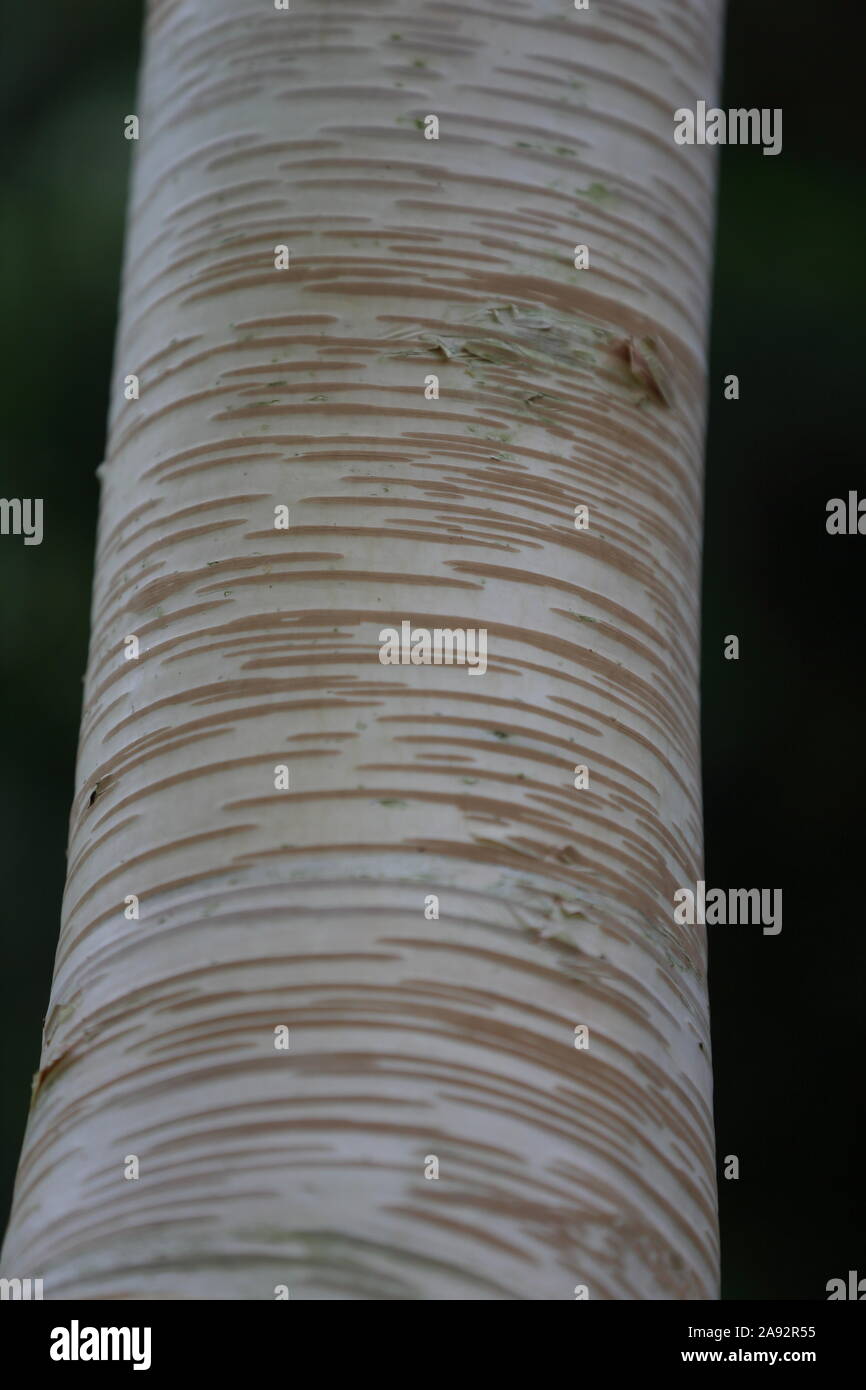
column 545, row 1038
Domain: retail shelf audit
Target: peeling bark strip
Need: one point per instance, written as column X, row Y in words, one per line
column 468, row 945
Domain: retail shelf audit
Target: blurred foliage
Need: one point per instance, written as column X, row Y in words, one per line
column 67, row 78
column 783, row 760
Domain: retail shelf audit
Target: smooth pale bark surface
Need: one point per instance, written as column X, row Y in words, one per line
column 410, row 1037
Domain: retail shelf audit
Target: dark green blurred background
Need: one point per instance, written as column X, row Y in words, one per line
column 783, row 745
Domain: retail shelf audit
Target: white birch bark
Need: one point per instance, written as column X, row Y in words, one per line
column 410, row 1037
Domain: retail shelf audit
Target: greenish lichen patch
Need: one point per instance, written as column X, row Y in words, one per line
column 520, row 337
column 597, row 192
